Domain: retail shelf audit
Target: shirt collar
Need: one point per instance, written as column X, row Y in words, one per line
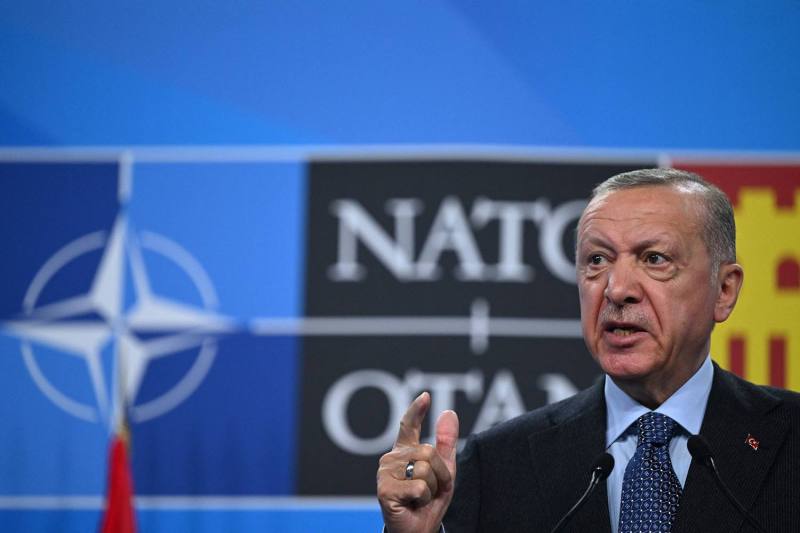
column 686, row 406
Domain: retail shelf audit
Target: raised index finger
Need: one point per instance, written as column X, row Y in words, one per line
column 411, row 423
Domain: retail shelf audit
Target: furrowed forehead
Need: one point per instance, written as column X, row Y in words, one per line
column 640, row 216
column 638, row 239
column 647, row 199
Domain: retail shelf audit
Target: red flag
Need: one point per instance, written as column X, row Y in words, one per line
column 119, row 516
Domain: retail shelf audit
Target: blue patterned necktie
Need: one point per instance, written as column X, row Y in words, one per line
column 650, row 489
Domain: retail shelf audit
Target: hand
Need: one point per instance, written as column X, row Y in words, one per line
column 418, row 505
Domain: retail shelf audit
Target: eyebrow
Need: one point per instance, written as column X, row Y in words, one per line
column 652, row 242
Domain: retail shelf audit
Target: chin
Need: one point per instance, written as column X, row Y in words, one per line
column 625, row 366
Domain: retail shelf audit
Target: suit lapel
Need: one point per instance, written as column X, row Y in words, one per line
column 735, row 410
column 564, row 454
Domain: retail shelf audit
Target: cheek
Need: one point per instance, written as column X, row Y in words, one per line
column 694, row 316
column 689, row 304
column 679, row 314
column 590, row 293
column 584, row 299
column 591, row 297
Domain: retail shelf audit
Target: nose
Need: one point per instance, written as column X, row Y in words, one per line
column 623, row 287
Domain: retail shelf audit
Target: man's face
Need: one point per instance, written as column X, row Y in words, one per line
column 644, row 279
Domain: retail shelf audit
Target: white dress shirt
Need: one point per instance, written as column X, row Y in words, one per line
column 686, row 406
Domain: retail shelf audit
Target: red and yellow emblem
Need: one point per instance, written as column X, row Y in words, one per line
column 761, row 340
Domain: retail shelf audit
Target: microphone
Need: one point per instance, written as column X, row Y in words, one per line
column 701, row 452
column 601, row 469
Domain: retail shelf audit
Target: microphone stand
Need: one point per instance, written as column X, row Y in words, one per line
column 600, row 471
column 700, row 450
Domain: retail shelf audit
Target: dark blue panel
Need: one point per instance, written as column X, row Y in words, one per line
column 43, row 207
column 63, row 521
column 234, row 435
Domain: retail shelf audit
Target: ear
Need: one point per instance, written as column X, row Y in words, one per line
column 730, row 281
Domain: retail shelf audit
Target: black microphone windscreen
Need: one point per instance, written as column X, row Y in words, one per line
column 603, row 465
column 699, row 448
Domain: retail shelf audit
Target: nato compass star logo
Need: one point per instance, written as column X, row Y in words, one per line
column 88, row 325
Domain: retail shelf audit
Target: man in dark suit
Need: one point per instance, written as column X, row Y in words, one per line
column 656, row 270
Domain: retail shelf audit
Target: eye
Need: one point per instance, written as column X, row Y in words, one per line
column 596, row 259
column 655, row 258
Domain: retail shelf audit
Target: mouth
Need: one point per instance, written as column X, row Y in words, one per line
column 622, row 330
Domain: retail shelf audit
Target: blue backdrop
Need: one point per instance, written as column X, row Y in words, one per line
column 179, row 127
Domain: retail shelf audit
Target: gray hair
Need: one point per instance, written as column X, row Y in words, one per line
column 719, row 228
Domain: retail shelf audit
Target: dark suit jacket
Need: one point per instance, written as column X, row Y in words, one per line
column 523, row 475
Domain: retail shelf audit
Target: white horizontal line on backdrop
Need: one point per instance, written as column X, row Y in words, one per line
column 195, row 503
column 367, row 152
column 417, row 326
